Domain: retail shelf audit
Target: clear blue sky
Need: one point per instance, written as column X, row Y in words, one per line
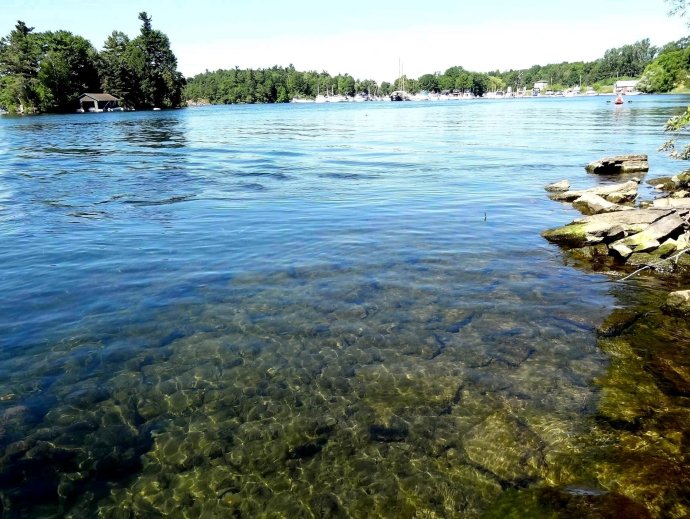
column 365, row 39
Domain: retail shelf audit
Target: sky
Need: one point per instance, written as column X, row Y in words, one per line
column 365, row 39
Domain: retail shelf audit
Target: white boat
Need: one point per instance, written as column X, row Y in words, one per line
column 360, row 98
column 399, row 95
column 301, row 100
column 590, row 92
column 320, row 99
column 336, row 99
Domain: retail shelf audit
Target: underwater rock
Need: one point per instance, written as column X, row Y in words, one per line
column 619, row 164
column 381, row 433
column 507, row 448
column 618, row 321
column 556, row 187
column 677, row 303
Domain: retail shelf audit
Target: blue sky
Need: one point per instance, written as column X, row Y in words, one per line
column 365, row 39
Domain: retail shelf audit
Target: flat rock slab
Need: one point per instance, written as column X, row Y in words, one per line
column 619, row 164
column 597, row 228
column 671, row 203
column 622, row 192
column 591, row 203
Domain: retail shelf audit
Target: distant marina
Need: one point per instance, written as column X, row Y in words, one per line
column 540, row 89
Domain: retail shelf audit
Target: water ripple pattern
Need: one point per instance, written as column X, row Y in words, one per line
column 313, row 311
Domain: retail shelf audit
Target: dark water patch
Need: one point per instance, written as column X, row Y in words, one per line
column 171, row 200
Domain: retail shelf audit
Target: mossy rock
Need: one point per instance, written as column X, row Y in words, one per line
column 572, row 235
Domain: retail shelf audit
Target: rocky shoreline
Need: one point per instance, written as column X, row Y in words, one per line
column 620, row 232
column 641, row 422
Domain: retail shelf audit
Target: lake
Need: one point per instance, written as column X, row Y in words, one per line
column 311, row 311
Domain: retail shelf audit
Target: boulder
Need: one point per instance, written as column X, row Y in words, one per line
column 662, row 183
column 608, row 227
column 557, row 187
column 650, row 238
column 620, row 249
column 677, row 303
column 619, row 164
column 616, row 193
column 591, row 203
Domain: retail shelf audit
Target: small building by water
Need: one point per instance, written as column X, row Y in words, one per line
column 625, row 86
column 98, row 103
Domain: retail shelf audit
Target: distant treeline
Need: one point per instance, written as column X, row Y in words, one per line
column 280, row 84
column 48, row 71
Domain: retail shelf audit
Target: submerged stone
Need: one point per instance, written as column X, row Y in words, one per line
column 506, row 448
column 678, row 303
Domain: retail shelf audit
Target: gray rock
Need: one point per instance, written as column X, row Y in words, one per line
column 671, row 203
column 621, row 249
column 619, row 164
column 557, row 187
column 594, row 229
column 617, row 193
column 650, row 238
column 591, row 203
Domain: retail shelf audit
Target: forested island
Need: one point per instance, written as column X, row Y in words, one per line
column 48, row 71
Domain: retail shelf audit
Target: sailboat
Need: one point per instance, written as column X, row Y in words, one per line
column 400, row 95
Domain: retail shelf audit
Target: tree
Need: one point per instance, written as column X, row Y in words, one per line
column 117, row 76
column 19, row 64
column 67, row 69
column 675, row 125
column 428, row 82
column 154, row 67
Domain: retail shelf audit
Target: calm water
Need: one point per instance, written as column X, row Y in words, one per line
column 302, row 311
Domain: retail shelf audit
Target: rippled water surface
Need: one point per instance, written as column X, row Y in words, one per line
column 304, row 311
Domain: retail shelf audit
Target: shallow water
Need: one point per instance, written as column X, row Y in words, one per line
column 305, row 311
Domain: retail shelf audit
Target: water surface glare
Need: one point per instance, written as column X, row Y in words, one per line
column 306, row 310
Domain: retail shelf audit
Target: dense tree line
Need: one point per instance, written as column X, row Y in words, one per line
column 628, row 61
column 47, row 72
column 280, row 84
column 272, row 85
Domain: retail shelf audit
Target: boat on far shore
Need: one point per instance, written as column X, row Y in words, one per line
column 399, row 95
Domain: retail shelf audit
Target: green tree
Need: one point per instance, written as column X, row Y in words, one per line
column 117, row 76
column 680, row 123
column 429, row 82
column 19, row 65
column 666, row 72
column 155, row 68
column 68, row 68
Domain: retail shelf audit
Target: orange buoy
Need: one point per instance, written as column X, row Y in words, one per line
column 619, row 100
